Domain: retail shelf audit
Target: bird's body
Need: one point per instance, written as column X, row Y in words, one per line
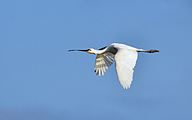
column 124, row 56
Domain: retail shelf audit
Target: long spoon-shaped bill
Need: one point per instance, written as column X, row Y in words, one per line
column 78, row 50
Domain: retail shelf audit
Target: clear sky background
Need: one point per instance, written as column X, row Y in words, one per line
column 40, row 79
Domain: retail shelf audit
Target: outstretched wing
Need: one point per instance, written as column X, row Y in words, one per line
column 103, row 62
column 125, row 62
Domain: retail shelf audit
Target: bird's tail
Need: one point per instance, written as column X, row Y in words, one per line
column 148, row 51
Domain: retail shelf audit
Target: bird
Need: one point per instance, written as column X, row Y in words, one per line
column 125, row 58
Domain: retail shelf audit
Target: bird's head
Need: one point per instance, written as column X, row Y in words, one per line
column 91, row 50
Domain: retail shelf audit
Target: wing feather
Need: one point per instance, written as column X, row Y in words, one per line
column 103, row 62
column 125, row 62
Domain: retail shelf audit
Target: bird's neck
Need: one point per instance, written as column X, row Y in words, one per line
column 98, row 51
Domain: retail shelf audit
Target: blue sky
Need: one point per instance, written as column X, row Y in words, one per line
column 40, row 79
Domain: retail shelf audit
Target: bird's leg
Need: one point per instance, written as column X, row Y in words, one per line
column 148, row 51
column 152, row 51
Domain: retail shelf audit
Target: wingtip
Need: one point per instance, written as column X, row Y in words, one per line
column 127, row 87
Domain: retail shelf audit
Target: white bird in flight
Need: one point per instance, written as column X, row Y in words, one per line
column 124, row 56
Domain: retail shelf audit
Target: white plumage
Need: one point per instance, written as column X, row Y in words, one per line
column 124, row 56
